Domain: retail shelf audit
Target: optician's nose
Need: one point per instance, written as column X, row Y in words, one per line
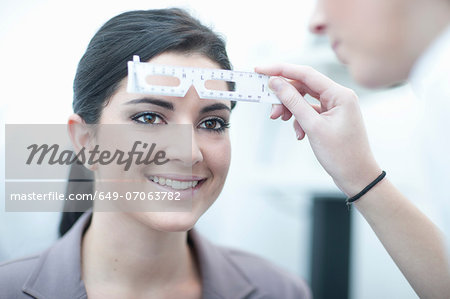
column 317, row 23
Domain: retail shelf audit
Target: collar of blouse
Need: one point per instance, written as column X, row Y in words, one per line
column 58, row 271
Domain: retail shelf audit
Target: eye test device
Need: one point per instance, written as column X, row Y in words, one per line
column 248, row 87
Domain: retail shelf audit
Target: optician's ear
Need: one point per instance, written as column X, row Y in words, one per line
column 81, row 135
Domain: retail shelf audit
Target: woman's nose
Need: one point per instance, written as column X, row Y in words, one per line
column 317, row 22
column 197, row 155
column 185, row 148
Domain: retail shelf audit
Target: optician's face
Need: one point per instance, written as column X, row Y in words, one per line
column 375, row 38
column 202, row 169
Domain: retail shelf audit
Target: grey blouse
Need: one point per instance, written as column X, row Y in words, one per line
column 226, row 273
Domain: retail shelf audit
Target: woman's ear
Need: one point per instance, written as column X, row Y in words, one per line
column 82, row 137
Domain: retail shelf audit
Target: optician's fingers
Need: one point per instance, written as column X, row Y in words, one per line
column 294, row 101
column 318, row 108
column 299, row 130
column 309, row 80
column 300, row 133
column 303, row 89
column 279, row 110
column 286, row 114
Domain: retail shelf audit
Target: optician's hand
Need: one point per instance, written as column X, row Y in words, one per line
column 334, row 127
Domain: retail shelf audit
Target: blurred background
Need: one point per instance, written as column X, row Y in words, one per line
column 277, row 202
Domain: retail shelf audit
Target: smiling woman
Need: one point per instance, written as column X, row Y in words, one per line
column 150, row 254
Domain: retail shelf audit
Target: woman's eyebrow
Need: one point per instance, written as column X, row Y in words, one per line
column 152, row 101
column 214, row 107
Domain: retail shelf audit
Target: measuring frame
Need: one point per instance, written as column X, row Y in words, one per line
column 249, row 86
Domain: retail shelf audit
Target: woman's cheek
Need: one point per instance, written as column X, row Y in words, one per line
column 218, row 157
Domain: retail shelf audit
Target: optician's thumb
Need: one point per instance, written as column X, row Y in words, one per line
column 293, row 101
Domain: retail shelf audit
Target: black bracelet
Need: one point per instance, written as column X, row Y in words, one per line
column 365, row 190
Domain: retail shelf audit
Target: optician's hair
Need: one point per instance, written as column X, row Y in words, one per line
column 146, row 33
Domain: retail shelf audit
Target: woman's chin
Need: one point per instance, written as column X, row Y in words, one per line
column 169, row 221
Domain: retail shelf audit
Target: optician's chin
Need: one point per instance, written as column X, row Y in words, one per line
column 376, row 74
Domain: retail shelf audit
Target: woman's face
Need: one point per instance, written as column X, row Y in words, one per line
column 208, row 157
column 375, row 38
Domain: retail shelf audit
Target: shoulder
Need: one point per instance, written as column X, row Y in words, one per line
column 60, row 265
column 14, row 274
column 232, row 273
column 267, row 277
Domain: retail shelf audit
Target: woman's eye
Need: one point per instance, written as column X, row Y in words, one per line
column 214, row 124
column 148, row 118
column 211, row 124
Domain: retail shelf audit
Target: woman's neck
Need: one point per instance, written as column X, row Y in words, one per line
column 122, row 253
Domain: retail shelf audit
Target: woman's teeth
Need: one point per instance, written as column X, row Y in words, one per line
column 173, row 183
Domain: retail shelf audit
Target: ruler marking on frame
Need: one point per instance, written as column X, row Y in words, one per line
column 249, row 87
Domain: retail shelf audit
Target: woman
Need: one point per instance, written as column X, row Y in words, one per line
column 150, row 255
column 383, row 42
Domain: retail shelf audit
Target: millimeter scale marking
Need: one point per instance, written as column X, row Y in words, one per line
column 249, row 86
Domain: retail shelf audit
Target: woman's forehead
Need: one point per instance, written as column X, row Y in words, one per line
column 184, row 59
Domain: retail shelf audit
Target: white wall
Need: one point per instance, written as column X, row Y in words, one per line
column 265, row 206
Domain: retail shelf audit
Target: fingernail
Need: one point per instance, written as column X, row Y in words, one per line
column 271, row 111
column 297, row 134
column 275, row 84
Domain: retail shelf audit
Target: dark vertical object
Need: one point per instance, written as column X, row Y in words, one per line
column 330, row 247
column 81, row 181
